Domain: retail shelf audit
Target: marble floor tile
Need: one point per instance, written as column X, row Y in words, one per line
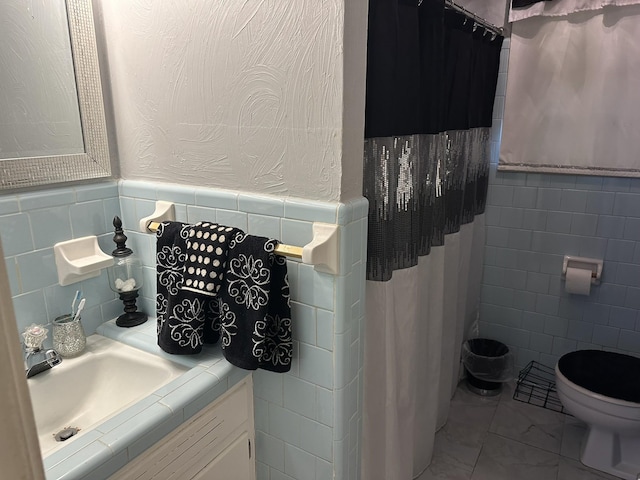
column 569, row 469
column 528, row 424
column 465, row 397
column 498, row 438
column 508, row 388
column 458, row 446
column 572, row 435
column 461, row 439
column 442, row 469
column 505, row 459
column 476, row 416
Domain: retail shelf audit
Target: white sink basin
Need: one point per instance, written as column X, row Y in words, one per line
column 84, row 391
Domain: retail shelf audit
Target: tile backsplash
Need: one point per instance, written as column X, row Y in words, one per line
column 308, row 420
column 30, row 224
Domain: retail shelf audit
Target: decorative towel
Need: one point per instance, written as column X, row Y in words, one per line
column 181, row 314
column 205, row 263
column 255, row 313
column 216, row 282
column 206, row 260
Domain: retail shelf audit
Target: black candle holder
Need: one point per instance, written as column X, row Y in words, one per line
column 132, row 316
column 125, row 278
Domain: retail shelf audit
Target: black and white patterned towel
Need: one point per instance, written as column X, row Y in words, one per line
column 206, row 261
column 184, row 319
column 255, row 311
column 242, row 298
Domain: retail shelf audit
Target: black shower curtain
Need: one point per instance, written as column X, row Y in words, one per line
column 431, row 80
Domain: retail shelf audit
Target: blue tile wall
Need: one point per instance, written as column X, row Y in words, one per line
column 30, row 225
column 308, row 421
column 533, row 220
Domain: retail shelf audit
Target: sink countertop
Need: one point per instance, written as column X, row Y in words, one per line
column 110, row 445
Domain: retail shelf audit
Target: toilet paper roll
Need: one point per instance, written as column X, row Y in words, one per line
column 578, row 281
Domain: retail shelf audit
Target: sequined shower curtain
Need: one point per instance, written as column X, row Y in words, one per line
column 431, row 80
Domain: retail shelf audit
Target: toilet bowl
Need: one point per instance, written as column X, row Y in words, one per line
column 603, row 390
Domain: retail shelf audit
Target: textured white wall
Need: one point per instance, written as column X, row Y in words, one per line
column 354, row 83
column 244, row 95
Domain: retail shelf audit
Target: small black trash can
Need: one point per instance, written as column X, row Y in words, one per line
column 488, row 364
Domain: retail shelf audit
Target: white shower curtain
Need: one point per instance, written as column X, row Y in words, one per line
column 416, row 323
column 430, row 88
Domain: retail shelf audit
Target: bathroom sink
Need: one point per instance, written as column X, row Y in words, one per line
column 86, row 390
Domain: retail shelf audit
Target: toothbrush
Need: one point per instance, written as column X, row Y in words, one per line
column 73, row 304
column 80, row 307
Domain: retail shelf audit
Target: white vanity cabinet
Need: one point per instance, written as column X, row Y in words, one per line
column 218, row 443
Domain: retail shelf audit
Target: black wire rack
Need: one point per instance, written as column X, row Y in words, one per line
column 536, row 385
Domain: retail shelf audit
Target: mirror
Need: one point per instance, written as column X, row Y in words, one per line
column 39, row 113
column 52, row 123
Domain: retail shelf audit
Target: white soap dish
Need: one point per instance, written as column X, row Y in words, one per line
column 79, row 259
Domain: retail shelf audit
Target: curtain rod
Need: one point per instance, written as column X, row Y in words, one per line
column 479, row 20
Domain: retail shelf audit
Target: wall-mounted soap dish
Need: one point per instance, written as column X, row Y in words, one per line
column 79, row 259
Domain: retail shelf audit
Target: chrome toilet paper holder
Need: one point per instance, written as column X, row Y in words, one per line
column 593, row 264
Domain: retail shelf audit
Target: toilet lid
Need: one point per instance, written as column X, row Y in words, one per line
column 608, row 373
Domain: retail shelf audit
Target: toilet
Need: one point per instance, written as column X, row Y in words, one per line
column 603, row 390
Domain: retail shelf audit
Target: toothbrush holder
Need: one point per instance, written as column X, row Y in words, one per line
column 69, row 339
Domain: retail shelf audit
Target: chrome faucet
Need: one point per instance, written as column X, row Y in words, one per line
column 37, row 360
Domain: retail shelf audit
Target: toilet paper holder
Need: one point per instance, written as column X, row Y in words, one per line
column 593, row 264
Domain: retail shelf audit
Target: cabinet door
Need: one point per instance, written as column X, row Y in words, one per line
column 234, row 463
column 193, row 450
